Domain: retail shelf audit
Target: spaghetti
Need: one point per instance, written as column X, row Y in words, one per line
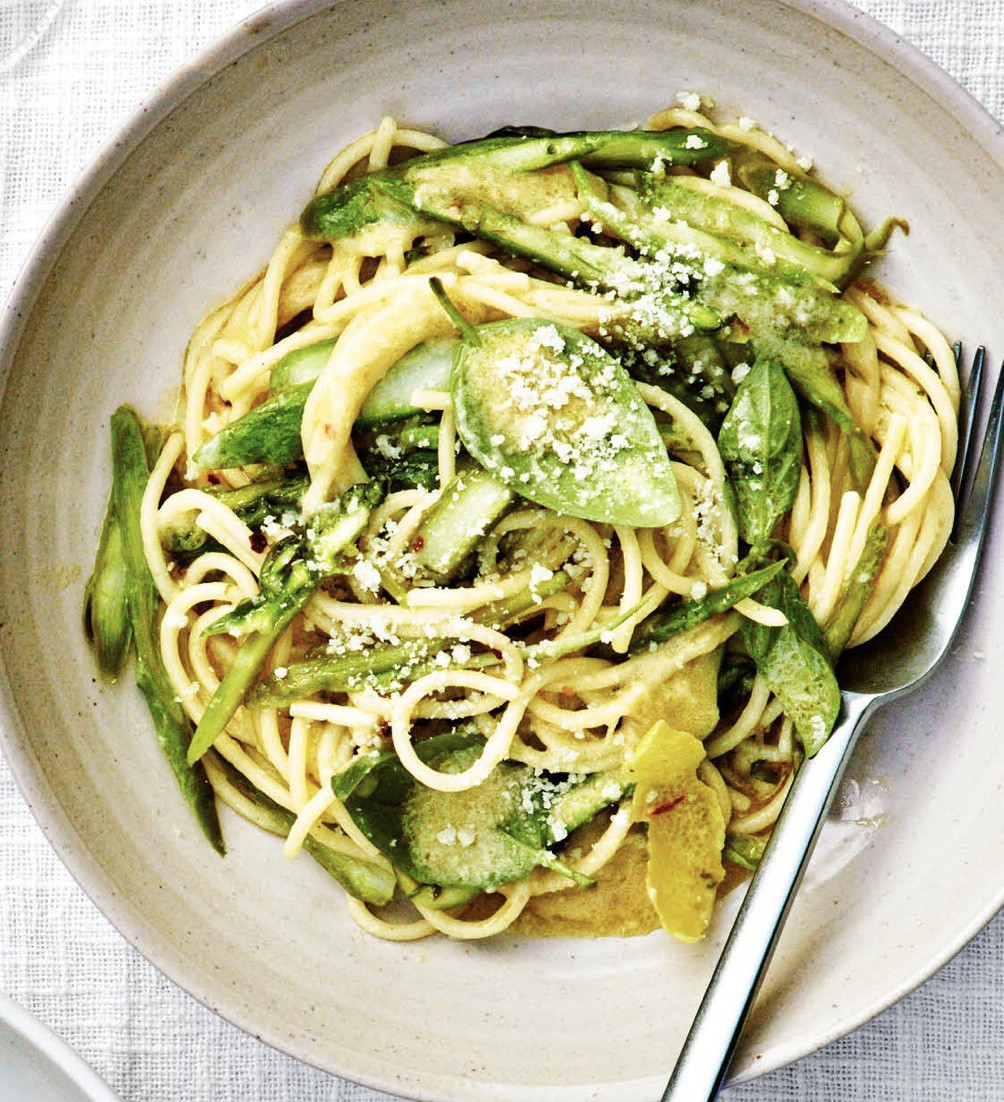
column 542, row 661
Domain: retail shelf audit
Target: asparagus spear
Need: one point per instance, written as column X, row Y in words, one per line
column 351, row 209
column 272, row 496
column 269, row 433
column 856, row 591
column 107, row 624
column 662, row 625
column 785, row 319
column 174, row 729
column 386, row 664
column 751, row 235
column 293, row 570
column 106, row 600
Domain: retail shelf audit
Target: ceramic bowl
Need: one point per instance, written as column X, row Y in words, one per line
column 36, row 1063
column 187, row 205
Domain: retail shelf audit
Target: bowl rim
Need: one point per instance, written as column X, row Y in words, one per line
column 48, row 1044
column 42, row 257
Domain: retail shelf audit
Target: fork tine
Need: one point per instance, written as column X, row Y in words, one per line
column 967, row 420
column 971, row 523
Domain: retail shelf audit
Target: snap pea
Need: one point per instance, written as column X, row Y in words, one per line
column 556, row 419
column 794, row 661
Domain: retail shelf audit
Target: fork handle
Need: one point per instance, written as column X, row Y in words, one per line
column 714, row 1036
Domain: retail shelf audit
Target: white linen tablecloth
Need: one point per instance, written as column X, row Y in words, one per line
column 60, row 103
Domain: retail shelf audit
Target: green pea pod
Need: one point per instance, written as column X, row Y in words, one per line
column 556, row 419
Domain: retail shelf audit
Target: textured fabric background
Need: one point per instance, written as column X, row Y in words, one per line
column 60, row 103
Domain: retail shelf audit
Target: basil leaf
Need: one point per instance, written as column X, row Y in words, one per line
column 761, row 444
column 795, row 663
column 810, row 371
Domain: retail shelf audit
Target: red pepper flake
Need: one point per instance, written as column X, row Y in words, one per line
column 566, row 691
column 418, row 543
column 667, row 806
column 213, row 478
column 258, row 541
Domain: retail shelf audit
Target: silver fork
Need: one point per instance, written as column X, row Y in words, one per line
column 900, row 659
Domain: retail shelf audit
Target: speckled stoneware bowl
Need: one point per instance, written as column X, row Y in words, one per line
column 188, row 204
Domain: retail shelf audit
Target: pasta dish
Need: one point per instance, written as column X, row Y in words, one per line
column 514, row 519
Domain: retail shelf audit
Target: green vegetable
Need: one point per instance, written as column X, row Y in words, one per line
column 291, row 573
column 664, row 624
column 786, row 316
column 811, row 373
column 480, row 838
column 418, row 468
column 800, row 200
column 107, row 624
column 557, row 420
column 390, row 665
column 794, row 661
column 760, row 243
column 454, row 525
column 425, row 367
column 174, row 728
column 668, row 310
column 692, row 369
column 470, row 170
column 761, row 444
column 269, row 433
column 363, row 879
column 106, row 600
column 760, row 296
column 302, row 365
column 735, row 681
column 745, row 850
column 272, row 496
column 855, row 592
column 431, row 895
